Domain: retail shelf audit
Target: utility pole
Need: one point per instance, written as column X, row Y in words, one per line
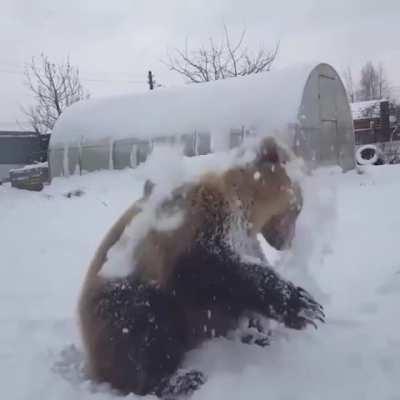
column 150, row 80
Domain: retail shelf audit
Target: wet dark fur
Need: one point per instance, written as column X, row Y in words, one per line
column 138, row 329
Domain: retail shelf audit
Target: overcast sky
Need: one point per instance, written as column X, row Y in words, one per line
column 115, row 43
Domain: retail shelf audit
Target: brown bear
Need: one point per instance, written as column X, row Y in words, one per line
column 190, row 279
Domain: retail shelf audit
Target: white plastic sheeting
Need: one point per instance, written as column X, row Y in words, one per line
column 264, row 101
column 305, row 106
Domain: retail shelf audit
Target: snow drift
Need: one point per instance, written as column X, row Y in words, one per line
column 344, row 253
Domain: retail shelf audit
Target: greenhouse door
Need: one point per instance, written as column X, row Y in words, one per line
column 329, row 144
column 329, row 154
column 133, row 159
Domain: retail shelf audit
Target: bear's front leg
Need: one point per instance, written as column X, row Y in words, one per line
column 247, row 285
column 224, row 278
column 274, row 297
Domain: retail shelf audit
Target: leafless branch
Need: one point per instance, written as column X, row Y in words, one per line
column 349, row 84
column 54, row 88
column 373, row 83
column 220, row 60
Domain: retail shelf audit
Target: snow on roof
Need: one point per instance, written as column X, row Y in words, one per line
column 266, row 101
column 366, row 109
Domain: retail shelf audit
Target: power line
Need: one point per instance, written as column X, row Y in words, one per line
column 15, row 68
column 111, row 81
column 5, row 71
column 95, row 80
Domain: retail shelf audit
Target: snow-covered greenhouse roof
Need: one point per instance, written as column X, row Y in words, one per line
column 265, row 101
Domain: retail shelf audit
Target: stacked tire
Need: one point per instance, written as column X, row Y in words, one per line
column 369, row 154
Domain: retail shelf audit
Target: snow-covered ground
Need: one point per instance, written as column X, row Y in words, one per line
column 345, row 252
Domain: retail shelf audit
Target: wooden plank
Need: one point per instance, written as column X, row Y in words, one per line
column 32, row 178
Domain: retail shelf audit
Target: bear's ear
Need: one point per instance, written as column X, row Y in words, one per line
column 148, row 188
column 270, row 151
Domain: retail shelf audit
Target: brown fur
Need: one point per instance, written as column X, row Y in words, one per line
column 259, row 191
column 93, row 281
column 218, row 196
column 114, row 234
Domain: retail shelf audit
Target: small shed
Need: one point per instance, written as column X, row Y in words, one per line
column 19, row 148
column 305, row 106
column 377, row 131
column 374, row 121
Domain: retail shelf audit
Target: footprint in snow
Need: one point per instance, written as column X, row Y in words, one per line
column 70, row 365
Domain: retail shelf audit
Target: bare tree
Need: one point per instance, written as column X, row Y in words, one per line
column 373, row 84
column 54, row 88
column 383, row 85
column 220, row 60
column 349, row 84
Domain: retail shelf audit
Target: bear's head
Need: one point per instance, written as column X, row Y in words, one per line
column 279, row 231
column 267, row 193
column 261, row 188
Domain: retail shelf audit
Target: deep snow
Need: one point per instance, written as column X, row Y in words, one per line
column 345, row 253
